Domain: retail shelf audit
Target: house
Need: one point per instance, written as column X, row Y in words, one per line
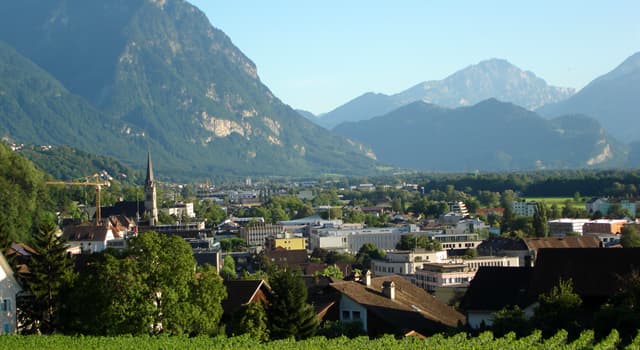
column 9, row 288
column 534, row 244
column 527, row 248
column 242, row 292
column 494, row 288
column 288, row 259
column 597, row 274
column 322, row 297
column 88, row 238
column 391, row 304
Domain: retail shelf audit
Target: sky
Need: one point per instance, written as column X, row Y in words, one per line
column 318, row 55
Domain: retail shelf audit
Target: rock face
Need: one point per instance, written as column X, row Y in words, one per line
column 613, row 99
column 494, row 78
column 162, row 77
column 490, row 135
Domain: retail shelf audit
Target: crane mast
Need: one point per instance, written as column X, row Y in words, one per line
column 97, row 184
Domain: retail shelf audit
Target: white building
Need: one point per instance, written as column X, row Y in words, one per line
column 457, row 272
column 180, row 210
column 406, row 262
column 523, row 208
column 564, row 226
column 9, row 287
column 88, row 238
column 351, row 240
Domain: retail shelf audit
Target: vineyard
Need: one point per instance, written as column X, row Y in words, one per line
column 485, row 340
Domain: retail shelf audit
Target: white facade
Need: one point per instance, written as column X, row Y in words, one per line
column 181, row 210
column 522, row 208
column 86, row 245
column 351, row 240
column 406, row 262
column 9, row 287
column 350, row 311
column 452, row 240
column 564, row 226
column 457, row 272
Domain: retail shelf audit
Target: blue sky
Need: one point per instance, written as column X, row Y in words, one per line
column 317, row 55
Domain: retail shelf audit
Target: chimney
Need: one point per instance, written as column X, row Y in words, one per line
column 357, row 276
column 389, row 289
column 367, row 278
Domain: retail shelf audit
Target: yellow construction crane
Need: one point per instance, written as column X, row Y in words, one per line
column 98, row 185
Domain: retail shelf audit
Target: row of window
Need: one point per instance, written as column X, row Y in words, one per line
column 348, row 315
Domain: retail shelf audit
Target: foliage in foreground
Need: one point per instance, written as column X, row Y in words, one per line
column 485, row 340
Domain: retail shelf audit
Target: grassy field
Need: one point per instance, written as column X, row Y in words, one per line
column 559, row 201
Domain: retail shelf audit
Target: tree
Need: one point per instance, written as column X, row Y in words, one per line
column 51, row 271
column 366, row 253
column 334, row 329
column 559, row 309
column 540, row 221
column 228, row 270
column 510, row 320
column 622, row 311
column 288, row 312
column 506, row 222
column 629, row 236
column 206, row 294
column 408, row 242
column 332, row 271
column 150, row 288
column 554, row 212
column 21, row 196
column 251, row 318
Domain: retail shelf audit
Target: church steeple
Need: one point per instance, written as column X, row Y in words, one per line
column 150, row 194
column 149, row 180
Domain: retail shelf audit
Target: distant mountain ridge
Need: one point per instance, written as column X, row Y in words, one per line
column 493, row 78
column 613, row 99
column 490, row 135
column 137, row 74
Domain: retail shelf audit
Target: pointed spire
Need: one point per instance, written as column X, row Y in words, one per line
column 149, row 179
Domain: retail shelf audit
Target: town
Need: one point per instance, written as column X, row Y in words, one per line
column 367, row 259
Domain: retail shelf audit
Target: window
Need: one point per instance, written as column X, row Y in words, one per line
column 6, row 304
column 345, row 315
column 355, row 315
column 6, row 328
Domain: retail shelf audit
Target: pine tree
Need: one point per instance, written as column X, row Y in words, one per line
column 288, row 312
column 50, row 272
column 251, row 318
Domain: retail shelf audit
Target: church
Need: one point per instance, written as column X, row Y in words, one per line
column 145, row 213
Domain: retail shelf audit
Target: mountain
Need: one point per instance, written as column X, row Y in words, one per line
column 306, row 114
column 68, row 163
column 35, row 107
column 118, row 77
column 490, row 135
column 612, row 99
column 494, row 78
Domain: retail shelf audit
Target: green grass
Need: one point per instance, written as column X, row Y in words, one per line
column 559, row 201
